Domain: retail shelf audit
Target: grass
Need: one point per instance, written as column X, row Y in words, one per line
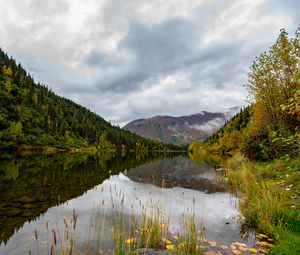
column 191, row 240
column 152, row 232
column 269, row 199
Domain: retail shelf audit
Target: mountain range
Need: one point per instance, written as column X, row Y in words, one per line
column 181, row 130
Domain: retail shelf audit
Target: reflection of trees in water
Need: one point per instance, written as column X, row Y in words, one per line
column 30, row 185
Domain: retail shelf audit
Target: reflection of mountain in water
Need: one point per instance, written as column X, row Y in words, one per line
column 32, row 184
column 178, row 172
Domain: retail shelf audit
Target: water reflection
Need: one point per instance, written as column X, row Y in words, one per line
column 178, row 172
column 32, row 184
column 180, row 187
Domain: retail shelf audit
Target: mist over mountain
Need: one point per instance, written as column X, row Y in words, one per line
column 181, row 130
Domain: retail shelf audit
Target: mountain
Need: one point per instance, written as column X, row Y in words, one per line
column 180, row 130
column 31, row 115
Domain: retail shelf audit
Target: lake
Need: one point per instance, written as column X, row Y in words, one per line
column 42, row 193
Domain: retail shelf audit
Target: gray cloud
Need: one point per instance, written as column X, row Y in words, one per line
column 154, row 50
column 135, row 59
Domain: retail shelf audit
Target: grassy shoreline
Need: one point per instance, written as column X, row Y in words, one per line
column 269, row 196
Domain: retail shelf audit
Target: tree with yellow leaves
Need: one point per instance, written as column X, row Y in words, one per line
column 273, row 79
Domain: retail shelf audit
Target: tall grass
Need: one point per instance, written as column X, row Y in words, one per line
column 261, row 205
column 191, row 240
column 152, row 232
column 263, row 202
column 61, row 240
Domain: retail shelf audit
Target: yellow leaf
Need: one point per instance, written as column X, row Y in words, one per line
column 242, row 248
column 129, row 241
column 253, row 250
column 170, row 247
column 265, row 244
column 261, row 236
column 239, row 244
column 236, row 252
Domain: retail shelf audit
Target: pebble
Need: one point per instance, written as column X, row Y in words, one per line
column 224, row 247
column 212, row 243
column 210, row 253
column 152, row 252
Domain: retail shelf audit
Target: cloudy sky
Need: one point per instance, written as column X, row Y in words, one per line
column 128, row 59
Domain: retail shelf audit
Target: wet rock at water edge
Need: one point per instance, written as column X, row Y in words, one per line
column 28, row 214
column 26, row 199
column 30, row 205
column 13, row 212
column 7, row 206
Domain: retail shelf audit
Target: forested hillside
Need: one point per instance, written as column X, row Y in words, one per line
column 270, row 127
column 31, row 114
column 230, row 136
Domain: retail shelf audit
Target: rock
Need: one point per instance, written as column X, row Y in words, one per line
column 210, row 253
column 13, row 212
column 28, row 214
column 239, row 244
column 152, row 252
column 6, row 205
column 212, row 243
column 29, row 205
column 26, row 199
column 224, row 247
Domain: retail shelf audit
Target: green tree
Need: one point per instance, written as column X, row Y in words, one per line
column 272, row 79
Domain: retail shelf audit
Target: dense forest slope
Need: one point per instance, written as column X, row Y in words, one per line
column 230, row 136
column 181, row 130
column 31, row 114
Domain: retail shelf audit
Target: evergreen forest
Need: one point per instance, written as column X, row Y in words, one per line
column 32, row 116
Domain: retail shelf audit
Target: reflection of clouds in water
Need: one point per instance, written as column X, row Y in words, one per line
column 120, row 194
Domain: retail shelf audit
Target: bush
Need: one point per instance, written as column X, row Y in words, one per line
column 256, row 146
column 267, row 145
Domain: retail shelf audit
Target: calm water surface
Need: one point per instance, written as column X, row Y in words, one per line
column 37, row 192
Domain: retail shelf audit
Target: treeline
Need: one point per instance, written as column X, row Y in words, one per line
column 31, row 114
column 270, row 127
